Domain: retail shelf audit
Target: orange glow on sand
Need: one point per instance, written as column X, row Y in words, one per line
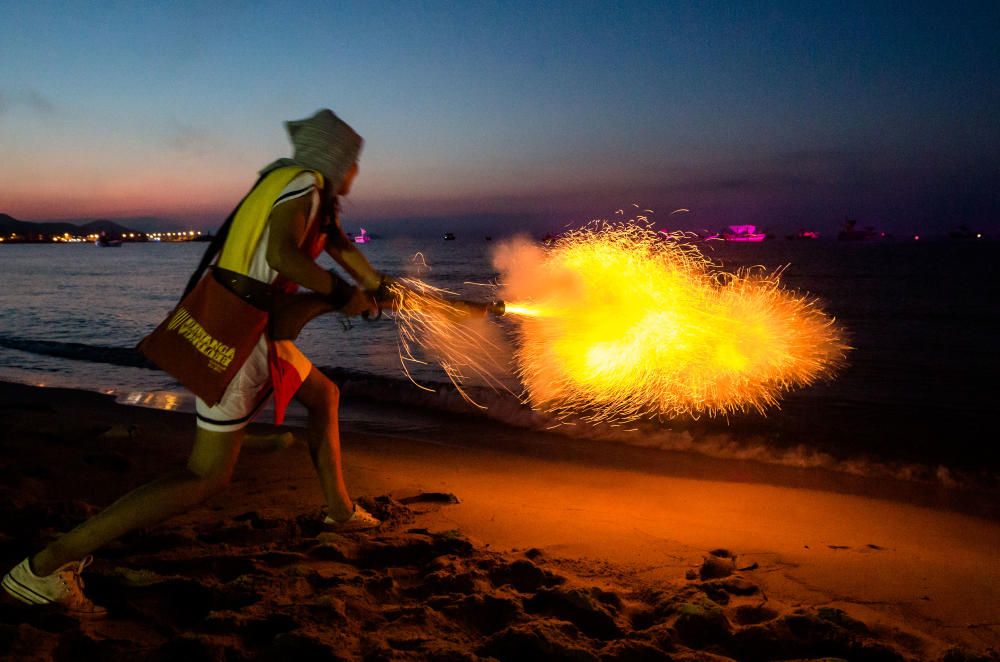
column 613, row 323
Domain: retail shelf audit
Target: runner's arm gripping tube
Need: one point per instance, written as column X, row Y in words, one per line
column 341, row 292
column 291, row 312
column 389, row 292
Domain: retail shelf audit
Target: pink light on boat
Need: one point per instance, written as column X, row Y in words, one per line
column 743, row 233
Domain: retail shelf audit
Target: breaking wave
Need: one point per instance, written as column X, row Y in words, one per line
column 759, row 440
column 120, row 356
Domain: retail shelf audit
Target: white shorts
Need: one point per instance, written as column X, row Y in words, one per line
column 244, row 397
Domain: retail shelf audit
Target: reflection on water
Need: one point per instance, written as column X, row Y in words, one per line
column 166, row 400
column 184, row 402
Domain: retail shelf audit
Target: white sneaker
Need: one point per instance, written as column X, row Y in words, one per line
column 360, row 520
column 63, row 588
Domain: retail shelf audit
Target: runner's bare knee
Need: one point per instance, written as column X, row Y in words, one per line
column 321, row 396
column 212, row 480
column 213, row 459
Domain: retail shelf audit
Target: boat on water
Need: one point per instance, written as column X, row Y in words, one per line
column 964, row 233
column 804, row 234
column 743, row 233
column 362, row 238
column 105, row 241
column 449, row 236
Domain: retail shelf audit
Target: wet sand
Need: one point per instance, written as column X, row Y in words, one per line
column 498, row 543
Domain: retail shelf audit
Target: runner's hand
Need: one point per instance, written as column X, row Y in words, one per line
column 360, row 302
column 383, row 293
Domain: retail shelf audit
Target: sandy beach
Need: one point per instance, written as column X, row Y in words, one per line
column 497, row 543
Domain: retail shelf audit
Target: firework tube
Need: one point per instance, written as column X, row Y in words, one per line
column 493, row 308
column 292, row 312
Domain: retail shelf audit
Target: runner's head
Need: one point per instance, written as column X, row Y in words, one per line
column 345, row 185
column 326, row 143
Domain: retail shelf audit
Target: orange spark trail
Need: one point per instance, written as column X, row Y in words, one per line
column 458, row 337
column 616, row 322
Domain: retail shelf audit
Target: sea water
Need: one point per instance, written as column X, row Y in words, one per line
column 917, row 399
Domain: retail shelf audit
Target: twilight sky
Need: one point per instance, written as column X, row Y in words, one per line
column 782, row 114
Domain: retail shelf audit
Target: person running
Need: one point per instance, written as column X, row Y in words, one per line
column 276, row 234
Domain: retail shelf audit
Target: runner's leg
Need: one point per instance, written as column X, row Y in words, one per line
column 208, row 471
column 321, row 398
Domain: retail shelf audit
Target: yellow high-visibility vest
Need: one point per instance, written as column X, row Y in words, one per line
column 251, row 218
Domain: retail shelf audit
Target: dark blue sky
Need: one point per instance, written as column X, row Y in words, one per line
column 781, row 114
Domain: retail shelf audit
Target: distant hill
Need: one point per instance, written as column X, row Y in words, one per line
column 108, row 227
column 9, row 225
column 150, row 224
column 133, row 223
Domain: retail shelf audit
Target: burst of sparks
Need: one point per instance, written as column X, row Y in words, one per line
column 612, row 323
column 456, row 335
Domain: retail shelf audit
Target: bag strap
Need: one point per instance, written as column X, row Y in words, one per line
column 216, row 244
column 257, row 293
